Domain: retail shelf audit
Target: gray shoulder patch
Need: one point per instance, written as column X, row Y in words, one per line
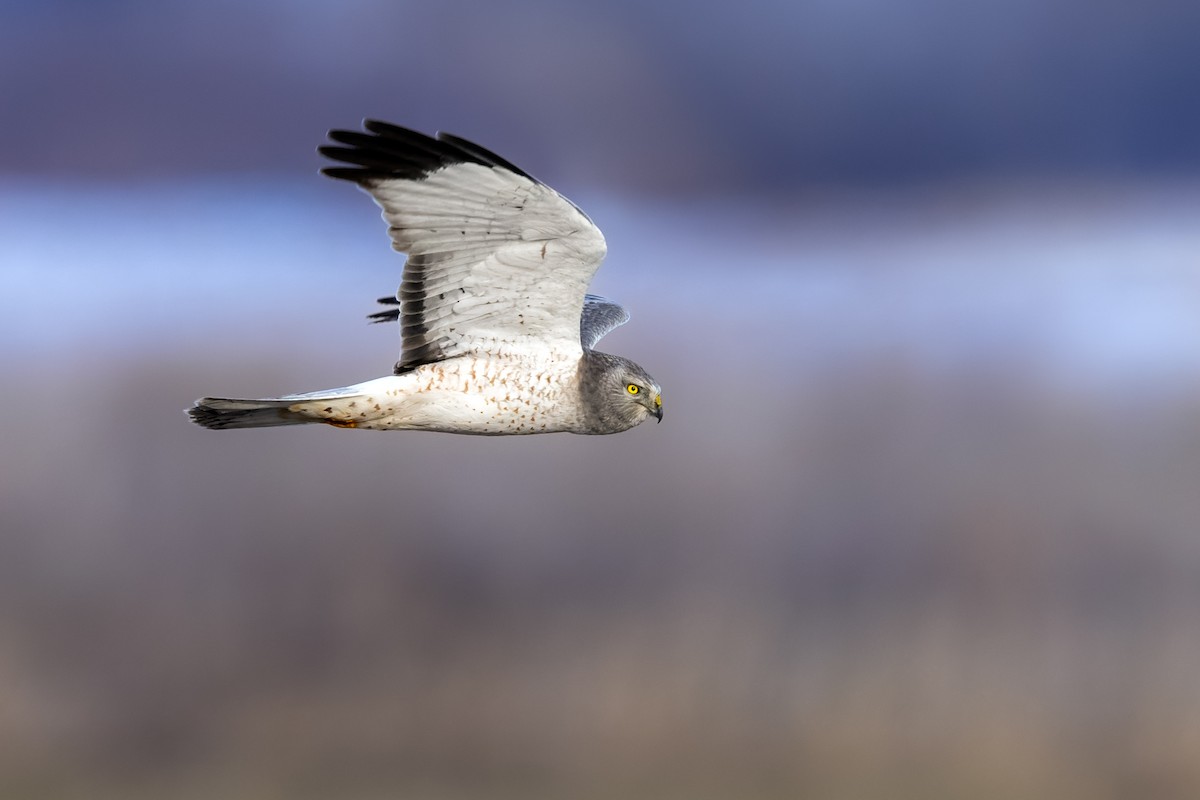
column 600, row 315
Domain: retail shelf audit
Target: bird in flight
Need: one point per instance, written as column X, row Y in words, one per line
column 498, row 330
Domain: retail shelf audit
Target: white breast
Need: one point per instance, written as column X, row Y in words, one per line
column 492, row 396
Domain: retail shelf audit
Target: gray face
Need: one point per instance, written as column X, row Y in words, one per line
column 641, row 392
column 618, row 393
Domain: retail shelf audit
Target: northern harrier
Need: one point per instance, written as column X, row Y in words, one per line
column 497, row 328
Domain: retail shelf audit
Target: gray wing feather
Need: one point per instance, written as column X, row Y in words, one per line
column 600, row 315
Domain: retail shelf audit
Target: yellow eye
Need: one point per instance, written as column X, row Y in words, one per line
column 633, row 388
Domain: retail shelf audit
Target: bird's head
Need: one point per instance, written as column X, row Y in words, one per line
column 643, row 393
column 619, row 393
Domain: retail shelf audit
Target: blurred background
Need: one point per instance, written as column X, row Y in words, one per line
column 921, row 282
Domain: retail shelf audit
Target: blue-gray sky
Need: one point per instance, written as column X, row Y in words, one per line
column 674, row 96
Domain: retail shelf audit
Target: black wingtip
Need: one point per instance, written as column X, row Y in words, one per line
column 390, row 151
column 484, row 155
column 391, row 315
column 388, row 315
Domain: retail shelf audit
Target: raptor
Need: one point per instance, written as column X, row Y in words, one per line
column 498, row 330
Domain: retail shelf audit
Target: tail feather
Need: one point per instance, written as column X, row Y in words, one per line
column 219, row 413
column 331, row 406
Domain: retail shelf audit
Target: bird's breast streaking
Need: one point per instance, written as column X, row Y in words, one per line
column 499, row 396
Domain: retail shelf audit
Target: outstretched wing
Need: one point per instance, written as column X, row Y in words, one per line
column 497, row 261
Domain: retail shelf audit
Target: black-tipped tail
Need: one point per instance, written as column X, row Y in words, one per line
column 219, row 413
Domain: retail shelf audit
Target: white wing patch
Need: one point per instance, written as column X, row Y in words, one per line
column 497, row 262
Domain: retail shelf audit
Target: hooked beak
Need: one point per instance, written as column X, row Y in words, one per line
column 657, row 412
